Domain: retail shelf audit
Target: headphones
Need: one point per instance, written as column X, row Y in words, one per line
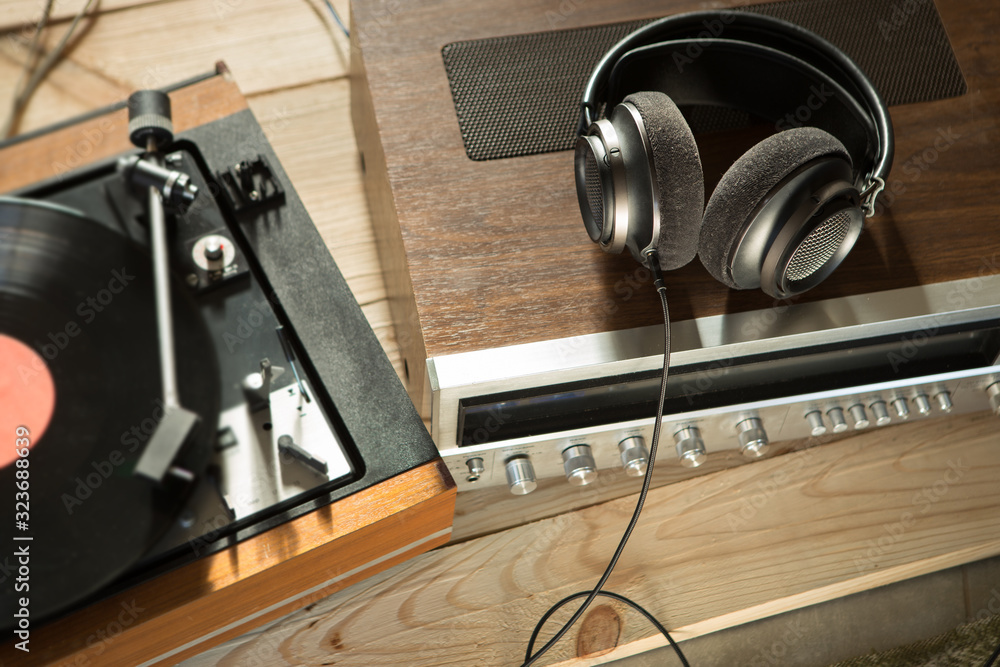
column 787, row 212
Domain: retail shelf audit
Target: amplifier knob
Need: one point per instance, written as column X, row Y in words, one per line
column 578, row 462
column 901, row 408
column 993, row 392
column 634, row 455
column 859, row 415
column 881, row 413
column 690, row 447
column 816, row 425
column 836, row 416
column 923, row 405
column 752, row 437
column 520, row 475
column 476, row 469
column 944, row 401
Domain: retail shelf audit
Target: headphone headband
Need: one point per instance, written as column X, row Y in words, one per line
column 778, row 47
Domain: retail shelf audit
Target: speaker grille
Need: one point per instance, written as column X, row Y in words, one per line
column 595, row 193
column 520, row 95
column 818, row 247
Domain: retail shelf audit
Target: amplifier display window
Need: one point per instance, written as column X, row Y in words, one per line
column 727, row 380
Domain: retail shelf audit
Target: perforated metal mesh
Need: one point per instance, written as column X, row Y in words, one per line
column 520, row 95
column 595, row 193
column 818, row 247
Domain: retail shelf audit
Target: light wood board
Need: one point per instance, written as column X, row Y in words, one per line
column 709, row 553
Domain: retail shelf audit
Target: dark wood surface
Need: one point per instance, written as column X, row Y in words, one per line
column 495, row 251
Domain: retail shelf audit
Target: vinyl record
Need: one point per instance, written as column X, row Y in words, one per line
column 79, row 369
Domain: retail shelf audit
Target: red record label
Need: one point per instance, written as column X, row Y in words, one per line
column 27, row 394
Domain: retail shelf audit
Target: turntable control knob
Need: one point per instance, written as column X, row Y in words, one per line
column 993, row 393
column 690, row 447
column 752, row 437
column 634, row 455
column 213, row 249
column 901, row 407
column 816, row 425
column 520, row 475
column 923, row 405
column 578, row 462
column 836, row 416
column 149, row 119
column 881, row 413
column 944, row 401
column 859, row 416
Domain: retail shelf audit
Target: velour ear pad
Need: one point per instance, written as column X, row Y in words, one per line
column 748, row 182
column 678, row 176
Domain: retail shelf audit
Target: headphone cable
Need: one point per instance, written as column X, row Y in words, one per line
column 530, row 659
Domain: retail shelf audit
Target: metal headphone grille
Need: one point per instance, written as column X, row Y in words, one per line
column 818, row 247
column 595, row 193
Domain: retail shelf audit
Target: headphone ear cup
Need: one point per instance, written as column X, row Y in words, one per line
column 677, row 176
column 752, row 182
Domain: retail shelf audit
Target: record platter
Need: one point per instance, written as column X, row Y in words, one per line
column 193, row 396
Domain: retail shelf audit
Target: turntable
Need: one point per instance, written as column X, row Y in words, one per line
column 195, row 409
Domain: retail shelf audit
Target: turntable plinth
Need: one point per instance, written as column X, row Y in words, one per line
column 404, row 508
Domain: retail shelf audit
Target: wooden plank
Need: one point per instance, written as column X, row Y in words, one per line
column 21, row 16
column 496, row 253
column 266, row 45
column 709, row 553
column 68, row 91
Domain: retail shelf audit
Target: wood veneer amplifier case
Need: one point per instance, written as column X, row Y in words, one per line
column 521, row 338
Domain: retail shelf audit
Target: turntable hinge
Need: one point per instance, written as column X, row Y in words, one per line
column 250, row 185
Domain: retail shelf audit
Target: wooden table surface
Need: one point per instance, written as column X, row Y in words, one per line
column 727, row 547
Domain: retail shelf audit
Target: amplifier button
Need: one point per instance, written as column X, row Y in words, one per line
column 923, row 405
column 476, row 469
column 836, row 416
column 881, row 413
column 901, row 407
column 860, row 416
column 634, row 455
column 816, row 425
column 944, row 401
column 690, row 446
column 520, row 475
column 753, row 438
column 993, row 392
column 578, row 462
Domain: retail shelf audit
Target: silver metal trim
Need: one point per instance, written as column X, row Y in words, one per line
column 784, row 326
column 640, row 253
column 786, row 418
column 613, row 153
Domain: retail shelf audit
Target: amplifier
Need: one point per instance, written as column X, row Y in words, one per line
column 576, row 405
column 534, row 355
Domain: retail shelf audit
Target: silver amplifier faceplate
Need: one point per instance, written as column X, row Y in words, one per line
column 796, row 417
column 911, row 317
